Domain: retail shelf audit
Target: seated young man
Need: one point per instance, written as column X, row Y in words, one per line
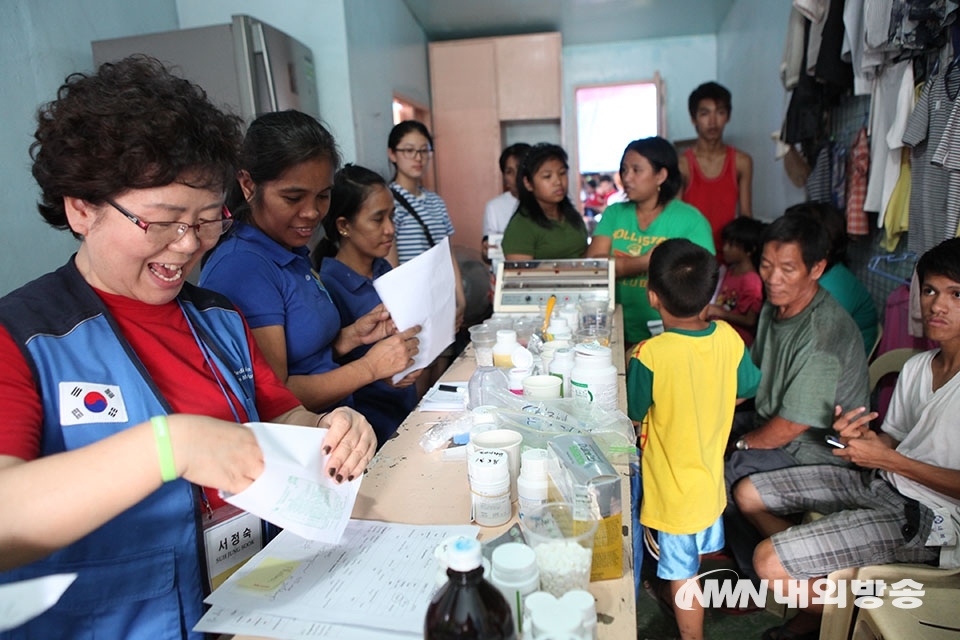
column 903, row 504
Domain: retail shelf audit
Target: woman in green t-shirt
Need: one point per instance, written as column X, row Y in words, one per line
column 629, row 230
column 546, row 225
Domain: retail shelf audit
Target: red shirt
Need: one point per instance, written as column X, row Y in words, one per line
column 741, row 294
column 161, row 337
column 716, row 198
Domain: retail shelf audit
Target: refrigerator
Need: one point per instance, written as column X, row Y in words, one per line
column 246, row 67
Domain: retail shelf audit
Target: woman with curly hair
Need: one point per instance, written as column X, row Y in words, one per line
column 102, row 471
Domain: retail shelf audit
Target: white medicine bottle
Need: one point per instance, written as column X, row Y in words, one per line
column 514, row 572
column 504, row 347
column 532, row 481
column 558, row 329
column 561, row 365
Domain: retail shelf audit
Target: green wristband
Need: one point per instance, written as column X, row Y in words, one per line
column 161, row 432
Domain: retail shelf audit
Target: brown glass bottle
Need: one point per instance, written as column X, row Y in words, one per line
column 468, row 607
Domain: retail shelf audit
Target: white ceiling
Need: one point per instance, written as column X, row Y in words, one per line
column 579, row 21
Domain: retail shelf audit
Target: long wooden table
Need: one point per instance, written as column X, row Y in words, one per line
column 404, row 484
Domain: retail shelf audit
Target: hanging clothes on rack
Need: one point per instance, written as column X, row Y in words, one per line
column 857, row 168
column 896, row 219
column 930, row 221
column 838, row 176
column 818, row 184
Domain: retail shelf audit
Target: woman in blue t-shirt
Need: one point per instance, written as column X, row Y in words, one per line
column 282, row 193
column 358, row 235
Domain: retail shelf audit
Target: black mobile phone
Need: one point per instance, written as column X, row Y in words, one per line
column 834, row 441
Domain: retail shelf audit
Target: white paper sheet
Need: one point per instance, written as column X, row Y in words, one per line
column 23, row 601
column 221, row 620
column 440, row 397
column 295, row 490
column 381, row 575
column 422, row 291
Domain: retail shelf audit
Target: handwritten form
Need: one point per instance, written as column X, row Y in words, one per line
column 423, row 291
column 294, row 491
column 23, row 601
column 380, row 575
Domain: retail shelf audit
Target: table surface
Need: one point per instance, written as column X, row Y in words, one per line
column 403, row 484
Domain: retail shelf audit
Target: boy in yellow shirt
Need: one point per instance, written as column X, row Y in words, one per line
column 683, row 386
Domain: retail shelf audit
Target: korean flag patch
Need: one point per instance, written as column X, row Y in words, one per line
column 88, row 402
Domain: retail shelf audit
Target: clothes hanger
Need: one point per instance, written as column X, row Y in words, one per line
column 874, row 266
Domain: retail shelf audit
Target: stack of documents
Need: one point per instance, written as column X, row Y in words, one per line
column 375, row 583
column 446, row 396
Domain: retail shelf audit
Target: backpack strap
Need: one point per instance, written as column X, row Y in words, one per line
column 416, row 216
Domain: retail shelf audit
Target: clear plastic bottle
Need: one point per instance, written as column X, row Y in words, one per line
column 483, row 381
column 468, row 607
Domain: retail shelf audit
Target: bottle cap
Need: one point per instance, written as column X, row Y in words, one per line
column 513, row 562
column 563, row 354
column 583, row 603
column 488, row 466
column 506, row 336
column 533, row 463
column 464, row 554
column 521, row 357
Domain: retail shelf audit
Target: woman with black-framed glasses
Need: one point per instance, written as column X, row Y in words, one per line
column 123, row 385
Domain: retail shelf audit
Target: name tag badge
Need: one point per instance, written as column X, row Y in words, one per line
column 230, row 538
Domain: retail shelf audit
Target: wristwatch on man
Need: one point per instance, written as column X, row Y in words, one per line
column 742, row 445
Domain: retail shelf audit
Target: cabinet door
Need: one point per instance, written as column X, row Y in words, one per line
column 466, row 132
column 528, row 76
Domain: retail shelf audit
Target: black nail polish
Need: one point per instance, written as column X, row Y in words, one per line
column 332, row 471
column 349, row 478
column 326, row 449
column 339, row 478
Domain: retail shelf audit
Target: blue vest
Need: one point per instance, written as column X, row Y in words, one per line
column 141, row 575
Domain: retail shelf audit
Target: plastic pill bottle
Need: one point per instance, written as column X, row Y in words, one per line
column 532, row 483
column 514, row 571
column 594, row 377
column 503, row 348
column 561, row 365
column 585, row 605
column 489, row 474
column 515, row 380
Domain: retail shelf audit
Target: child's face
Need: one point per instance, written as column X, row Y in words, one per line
column 549, row 185
column 940, row 308
column 733, row 253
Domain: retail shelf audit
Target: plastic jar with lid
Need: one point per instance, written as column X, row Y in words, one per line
column 489, row 474
column 594, row 377
column 503, row 348
column 514, row 571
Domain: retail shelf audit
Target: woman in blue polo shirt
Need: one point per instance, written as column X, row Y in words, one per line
column 282, row 193
column 359, row 233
